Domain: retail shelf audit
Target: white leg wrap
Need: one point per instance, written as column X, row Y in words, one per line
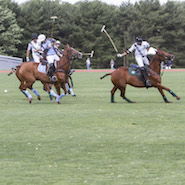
column 62, row 95
column 35, row 92
column 28, row 94
column 59, row 97
column 71, row 91
column 52, row 93
column 67, row 86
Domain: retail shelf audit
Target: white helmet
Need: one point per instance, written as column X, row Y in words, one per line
column 58, row 42
column 41, row 38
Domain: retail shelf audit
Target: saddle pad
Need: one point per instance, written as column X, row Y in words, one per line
column 132, row 71
column 42, row 68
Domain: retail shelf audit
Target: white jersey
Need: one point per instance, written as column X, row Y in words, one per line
column 32, row 46
column 140, row 50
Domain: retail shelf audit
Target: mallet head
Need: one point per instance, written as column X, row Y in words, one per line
column 92, row 53
column 103, row 28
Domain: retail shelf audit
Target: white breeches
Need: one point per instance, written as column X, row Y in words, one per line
column 52, row 58
column 36, row 58
column 141, row 61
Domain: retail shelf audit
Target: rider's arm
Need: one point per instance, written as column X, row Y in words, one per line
column 48, row 46
column 28, row 52
column 125, row 53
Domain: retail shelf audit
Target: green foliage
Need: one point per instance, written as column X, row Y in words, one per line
column 80, row 25
column 10, row 32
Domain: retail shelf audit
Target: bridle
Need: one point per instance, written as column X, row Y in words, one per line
column 72, row 56
column 166, row 58
column 69, row 58
column 162, row 58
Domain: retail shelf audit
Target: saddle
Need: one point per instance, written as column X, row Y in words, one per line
column 135, row 70
column 42, row 67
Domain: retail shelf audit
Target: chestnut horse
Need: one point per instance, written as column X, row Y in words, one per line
column 28, row 73
column 121, row 77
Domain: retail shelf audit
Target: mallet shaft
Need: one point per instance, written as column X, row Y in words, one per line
column 111, row 40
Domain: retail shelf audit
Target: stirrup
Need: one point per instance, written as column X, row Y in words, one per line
column 148, row 83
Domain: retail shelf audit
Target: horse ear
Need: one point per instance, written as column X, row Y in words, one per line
column 67, row 46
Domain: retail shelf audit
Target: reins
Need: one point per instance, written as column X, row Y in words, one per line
column 161, row 60
column 69, row 58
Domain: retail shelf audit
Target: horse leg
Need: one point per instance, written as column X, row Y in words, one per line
column 163, row 95
column 27, row 94
column 35, row 92
column 63, row 94
column 112, row 93
column 69, row 89
column 58, row 86
column 21, row 88
column 47, row 88
column 123, row 95
column 161, row 87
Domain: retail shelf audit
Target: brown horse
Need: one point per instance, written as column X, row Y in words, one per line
column 121, row 77
column 28, row 73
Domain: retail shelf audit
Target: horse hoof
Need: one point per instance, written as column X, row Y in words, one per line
column 74, row 95
column 39, row 98
column 113, row 102
column 30, row 100
column 178, row 98
column 169, row 102
column 58, row 103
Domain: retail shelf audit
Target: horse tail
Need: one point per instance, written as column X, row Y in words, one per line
column 13, row 70
column 105, row 75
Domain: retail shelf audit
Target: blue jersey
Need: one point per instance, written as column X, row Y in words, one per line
column 48, row 44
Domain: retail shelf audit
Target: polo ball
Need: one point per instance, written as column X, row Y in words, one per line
column 5, row 91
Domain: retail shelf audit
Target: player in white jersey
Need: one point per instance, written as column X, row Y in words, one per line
column 35, row 48
column 140, row 47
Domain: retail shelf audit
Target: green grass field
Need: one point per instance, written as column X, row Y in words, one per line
column 88, row 140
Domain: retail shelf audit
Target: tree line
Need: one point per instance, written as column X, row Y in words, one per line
column 163, row 26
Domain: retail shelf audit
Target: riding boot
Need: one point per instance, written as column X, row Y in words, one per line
column 51, row 72
column 145, row 75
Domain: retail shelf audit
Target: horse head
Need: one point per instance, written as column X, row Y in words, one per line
column 71, row 53
column 164, row 56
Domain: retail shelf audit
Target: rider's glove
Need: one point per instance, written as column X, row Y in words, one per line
column 27, row 59
column 119, row 55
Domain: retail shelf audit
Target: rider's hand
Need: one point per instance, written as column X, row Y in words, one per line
column 46, row 50
column 27, row 59
column 119, row 55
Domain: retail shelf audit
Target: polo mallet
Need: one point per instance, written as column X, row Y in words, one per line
column 104, row 30
column 90, row 54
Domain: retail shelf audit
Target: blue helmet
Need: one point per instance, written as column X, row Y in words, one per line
column 34, row 36
column 138, row 40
